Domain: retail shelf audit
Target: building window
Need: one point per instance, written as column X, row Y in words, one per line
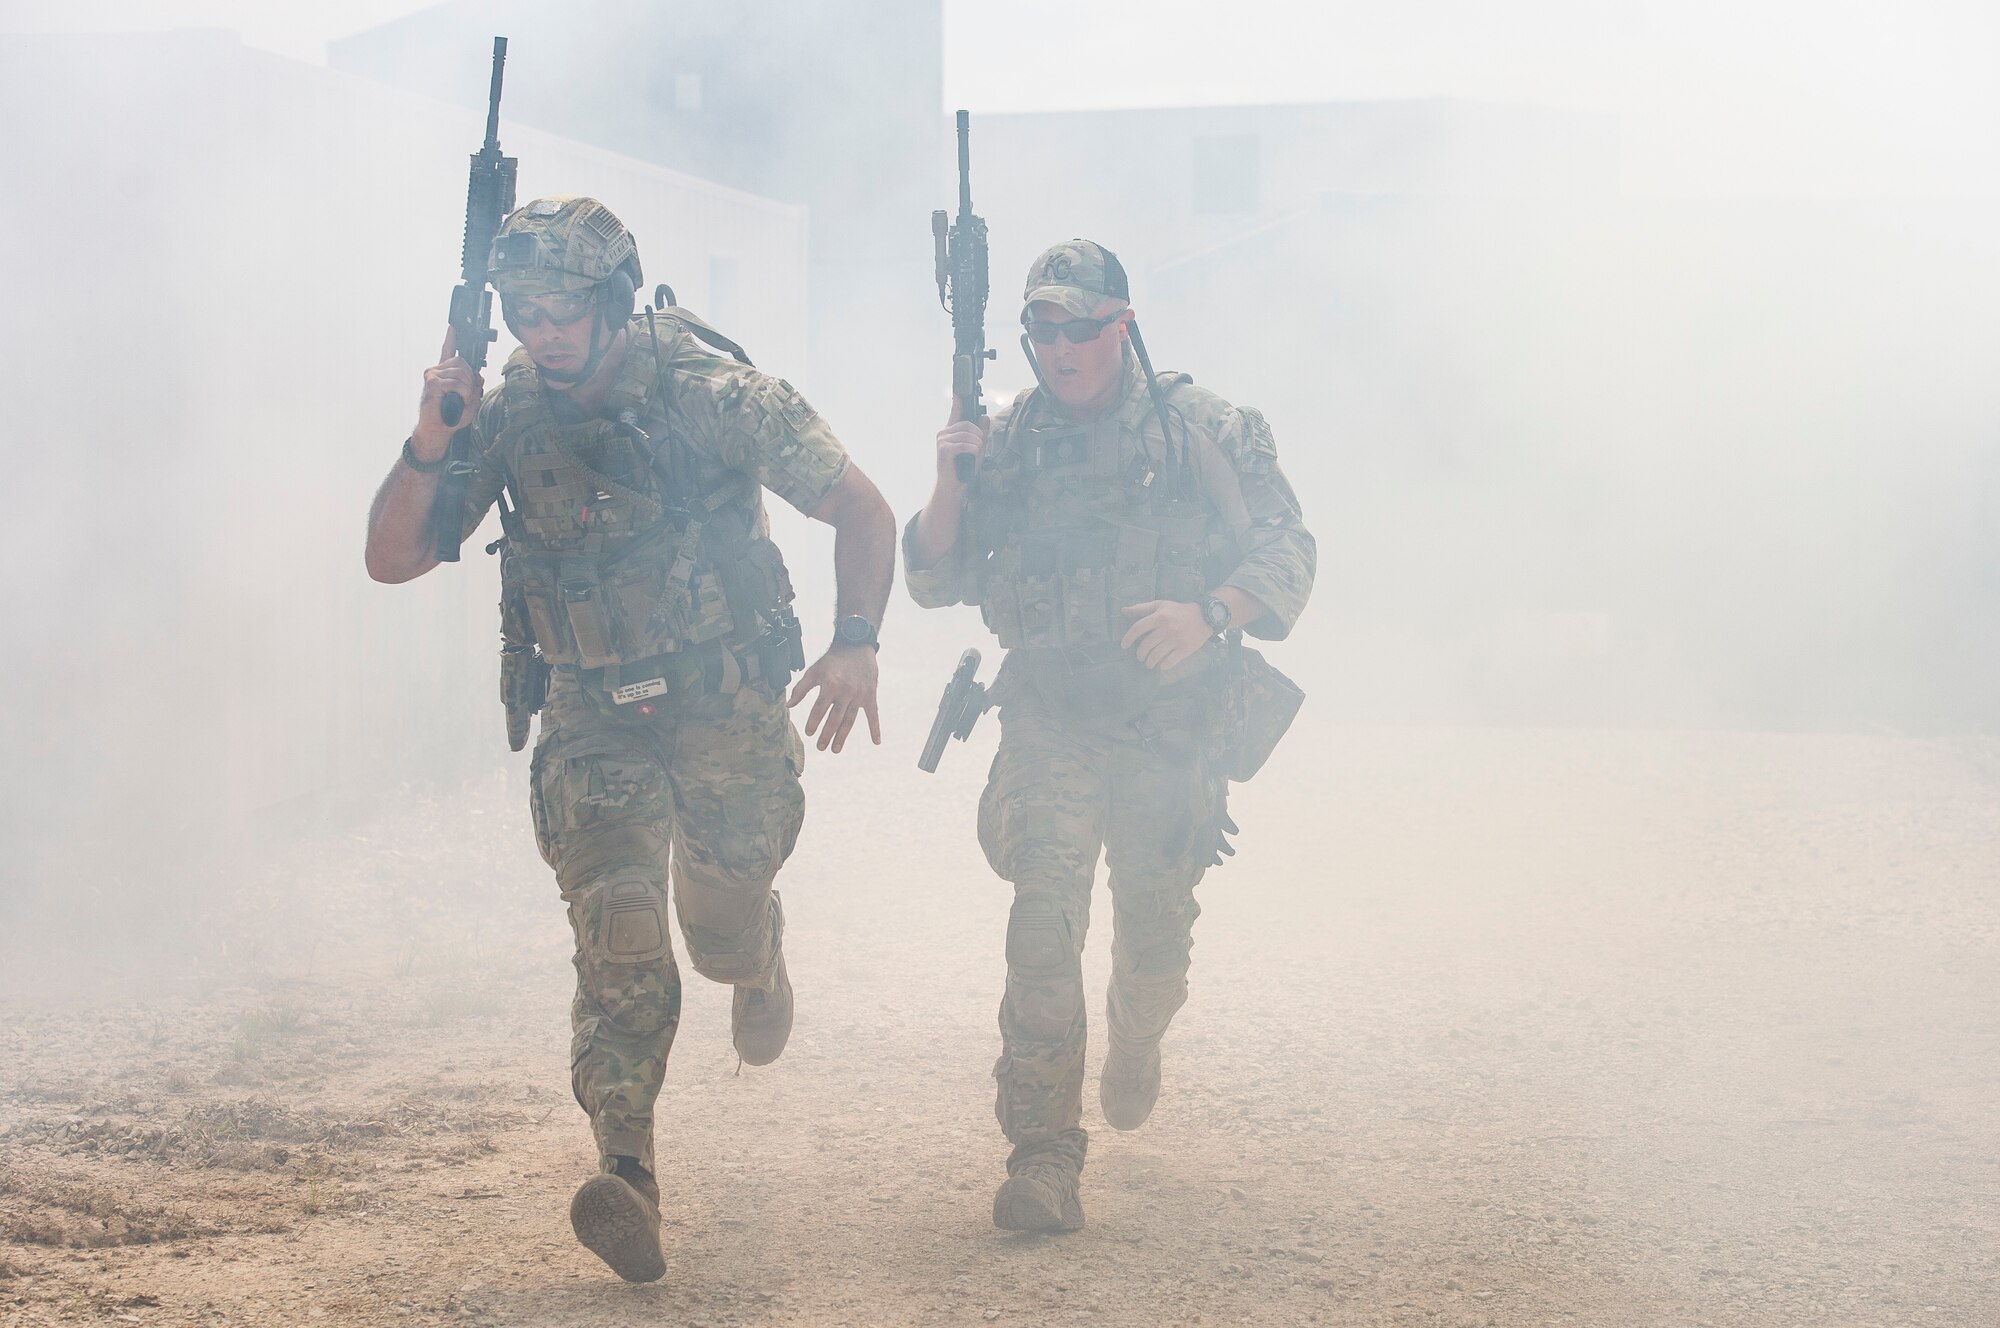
column 1227, row 174
column 687, row 92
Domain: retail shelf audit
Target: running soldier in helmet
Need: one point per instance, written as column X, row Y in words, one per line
column 1120, row 532
column 628, row 457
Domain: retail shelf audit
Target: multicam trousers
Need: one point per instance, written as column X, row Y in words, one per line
column 1056, row 795
column 710, row 782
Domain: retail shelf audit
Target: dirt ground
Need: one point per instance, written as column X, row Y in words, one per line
column 1488, row 1027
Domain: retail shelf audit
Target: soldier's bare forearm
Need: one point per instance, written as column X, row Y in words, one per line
column 399, row 526
column 937, row 528
column 864, row 546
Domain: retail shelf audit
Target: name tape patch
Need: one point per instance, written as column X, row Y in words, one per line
column 640, row 691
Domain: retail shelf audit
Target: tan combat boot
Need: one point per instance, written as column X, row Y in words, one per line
column 617, row 1217
column 1040, row 1192
column 1129, row 1084
column 760, row 1022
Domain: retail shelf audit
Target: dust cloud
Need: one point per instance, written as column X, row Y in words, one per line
column 1612, row 941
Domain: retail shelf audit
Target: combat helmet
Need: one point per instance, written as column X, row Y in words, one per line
column 561, row 244
column 568, row 244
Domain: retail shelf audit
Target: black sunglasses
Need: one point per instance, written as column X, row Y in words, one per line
column 1078, row 330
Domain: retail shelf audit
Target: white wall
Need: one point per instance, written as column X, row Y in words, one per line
column 227, row 271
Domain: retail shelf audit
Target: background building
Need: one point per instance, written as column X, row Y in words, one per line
column 835, row 108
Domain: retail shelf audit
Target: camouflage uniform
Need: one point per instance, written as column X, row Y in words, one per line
column 664, row 741
column 1066, row 525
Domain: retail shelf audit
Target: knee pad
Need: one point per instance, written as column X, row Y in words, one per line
column 1038, row 938
column 621, row 918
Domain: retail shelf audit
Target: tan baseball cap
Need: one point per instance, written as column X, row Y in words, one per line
column 1078, row 275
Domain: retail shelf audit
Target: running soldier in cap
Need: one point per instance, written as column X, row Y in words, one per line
column 638, row 563
column 1121, row 530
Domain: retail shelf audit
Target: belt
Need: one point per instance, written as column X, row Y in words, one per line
column 708, row 669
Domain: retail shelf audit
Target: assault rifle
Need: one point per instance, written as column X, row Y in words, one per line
column 960, row 253
column 489, row 197
column 964, row 702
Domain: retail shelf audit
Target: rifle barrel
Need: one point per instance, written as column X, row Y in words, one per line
column 493, row 95
column 964, row 168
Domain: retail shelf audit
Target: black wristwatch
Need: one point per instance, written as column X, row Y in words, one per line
column 855, row 630
column 1215, row 613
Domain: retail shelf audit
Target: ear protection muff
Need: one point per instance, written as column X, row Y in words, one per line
column 617, row 298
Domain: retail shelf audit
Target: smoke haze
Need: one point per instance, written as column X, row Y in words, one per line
column 1634, row 364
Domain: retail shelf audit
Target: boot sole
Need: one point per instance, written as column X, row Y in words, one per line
column 612, row 1222
column 1024, row 1212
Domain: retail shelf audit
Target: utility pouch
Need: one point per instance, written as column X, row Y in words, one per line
column 1086, row 607
column 1138, row 570
column 1000, row 598
column 580, row 596
column 524, row 674
column 1038, row 604
column 636, row 590
column 1262, row 704
column 536, row 579
column 524, row 688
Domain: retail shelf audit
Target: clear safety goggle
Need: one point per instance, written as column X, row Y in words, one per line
column 561, row 308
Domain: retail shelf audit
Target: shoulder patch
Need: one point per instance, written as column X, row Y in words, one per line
column 1260, row 449
column 793, row 407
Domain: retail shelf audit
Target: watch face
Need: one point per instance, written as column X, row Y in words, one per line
column 1215, row 613
column 855, row 631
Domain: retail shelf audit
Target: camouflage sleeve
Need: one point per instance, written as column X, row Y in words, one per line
column 1280, row 556
column 482, row 487
column 945, row 582
column 761, row 426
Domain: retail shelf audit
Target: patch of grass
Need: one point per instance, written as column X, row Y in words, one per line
column 63, row 1214
column 275, row 1022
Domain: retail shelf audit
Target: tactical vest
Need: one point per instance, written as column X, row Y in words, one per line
column 1080, row 521
column 622, row 547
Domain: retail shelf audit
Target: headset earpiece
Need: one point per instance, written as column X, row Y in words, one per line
column 617, row 299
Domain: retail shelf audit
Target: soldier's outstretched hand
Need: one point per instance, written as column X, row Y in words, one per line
column 845, row 678
column 432, row 436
